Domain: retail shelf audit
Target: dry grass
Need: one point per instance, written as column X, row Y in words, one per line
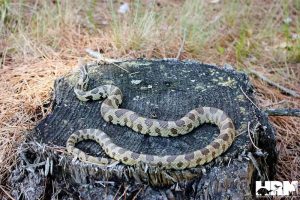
column 42, row 40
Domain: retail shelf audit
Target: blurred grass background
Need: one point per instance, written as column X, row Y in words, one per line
column 41, row 40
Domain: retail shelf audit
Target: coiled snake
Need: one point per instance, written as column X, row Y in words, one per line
column 111, row 112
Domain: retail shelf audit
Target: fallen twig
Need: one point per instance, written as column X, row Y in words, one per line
column 105, row 182
column 94, row 54
column 249, row 98
column 283, row 89
column 283, row 112
column 255, row 164
column 249, row 133
column 100, row 58
column 181, row 46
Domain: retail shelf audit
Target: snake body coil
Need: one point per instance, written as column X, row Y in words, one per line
column 111, row 112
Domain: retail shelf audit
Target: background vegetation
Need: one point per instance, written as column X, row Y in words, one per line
column 41, row 40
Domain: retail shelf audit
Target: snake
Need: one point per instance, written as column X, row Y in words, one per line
column 112, row 98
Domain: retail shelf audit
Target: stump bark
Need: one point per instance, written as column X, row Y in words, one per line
column 162, row 89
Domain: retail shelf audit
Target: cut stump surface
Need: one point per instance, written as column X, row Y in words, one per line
column 166, row 90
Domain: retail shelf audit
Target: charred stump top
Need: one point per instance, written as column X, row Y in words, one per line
column 166, row 90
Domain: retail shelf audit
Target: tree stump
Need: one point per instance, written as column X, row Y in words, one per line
column 162, row 89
